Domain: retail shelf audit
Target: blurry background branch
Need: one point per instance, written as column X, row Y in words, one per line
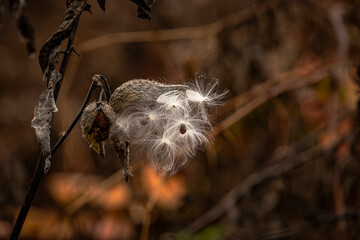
column 311, row 225
column 181, row 33
column 277, row 161
column 293, row 157
column 261, row 93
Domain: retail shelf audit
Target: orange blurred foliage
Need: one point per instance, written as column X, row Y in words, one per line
column 170, row 191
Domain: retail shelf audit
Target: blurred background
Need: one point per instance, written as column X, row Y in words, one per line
column 284, row 160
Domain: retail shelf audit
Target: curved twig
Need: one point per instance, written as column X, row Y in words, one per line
column 93, row 86
column 39, row 172
column 106, row 86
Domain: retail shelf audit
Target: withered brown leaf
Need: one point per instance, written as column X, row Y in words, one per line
column 102, row 4
column 144, row 10
column 43, row 113
column 72, row 17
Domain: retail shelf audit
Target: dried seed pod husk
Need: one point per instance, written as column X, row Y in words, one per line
column 95, row 124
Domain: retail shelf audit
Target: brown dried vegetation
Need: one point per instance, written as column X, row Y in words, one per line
column 284, row 163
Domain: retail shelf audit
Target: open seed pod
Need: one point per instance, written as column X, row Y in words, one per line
column 95, row 124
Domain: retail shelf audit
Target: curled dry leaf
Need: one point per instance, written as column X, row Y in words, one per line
column 43, row 113
column 144, row 10
column 51, row 46
column 102, row 4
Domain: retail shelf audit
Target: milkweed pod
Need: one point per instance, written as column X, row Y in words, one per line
column 95, row 124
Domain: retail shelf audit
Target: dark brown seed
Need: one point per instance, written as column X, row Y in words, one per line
column 101, row 120
column 144, row 121
column 101, row 125
column 182, row 129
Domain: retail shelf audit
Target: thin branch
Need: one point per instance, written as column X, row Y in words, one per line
column 211, row 29
column 34, row 185
column 329, row 219
column 261, row 93
column 263, row 174
column 94, row 191
column 65, row 60
column 106, row 87
column 93, row 86
column 149, row 209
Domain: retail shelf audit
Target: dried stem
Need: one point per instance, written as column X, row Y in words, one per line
column 77, row 118
column 39, row 172
column 34, row 185
column 65, row 61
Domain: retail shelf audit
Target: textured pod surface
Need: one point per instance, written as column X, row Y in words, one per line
column 95, row 124
column 140, row 92
column 168, row 123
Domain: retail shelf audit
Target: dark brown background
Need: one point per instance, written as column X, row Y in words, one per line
column 283, row 57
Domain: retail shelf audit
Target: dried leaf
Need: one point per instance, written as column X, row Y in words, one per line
column 41, row 122
column 52, row 45
column 102, row 4
column 43, row 112
column 68, row 2
column 18, row 10
column 88, row 8
column 122, row 149
column 51, row 68
column 144, row 10
column 48, row 59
